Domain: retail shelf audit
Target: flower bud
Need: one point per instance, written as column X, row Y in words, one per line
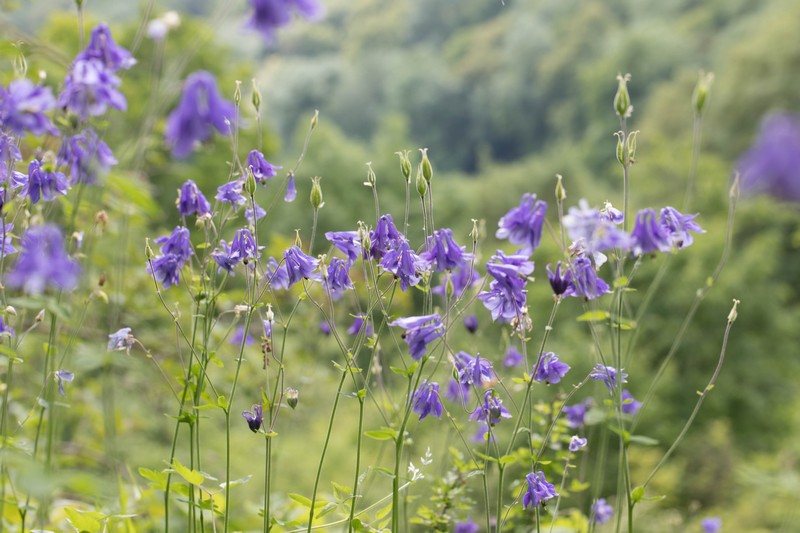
column 427, row 169
column 631, row 142
column 250, row 182
column 148, row 252
column 39, row 316
column 292, row 397
column 101, row 219
column 700, row 94
column 734, row 311
column 422, row 185
column 256, row 96
column 10, row 311
column 237, row 93
column 561, row 192
column 620, row 148
column 316, row 193
column 622, row 100
column 314, row 119
column 370, row 175
column 405, row 165
column 269, row 315
column 474, row 233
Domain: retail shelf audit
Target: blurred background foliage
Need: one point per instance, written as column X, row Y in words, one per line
column 505, row 96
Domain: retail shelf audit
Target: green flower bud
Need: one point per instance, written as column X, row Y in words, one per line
column 422, row 185
column 734, row 311
column 148, row 252
column 292, row 397
column 561, row 192
column 631, row 142
column 620, row 148
column 427, row 169
column 250, row 183
column 370, row 175
column 405, row 165
column 314, row 119
column 474, row 233
column 700, row 94
column 622, row 100
column 237, row 93
column 316, row 193
column 256, row 96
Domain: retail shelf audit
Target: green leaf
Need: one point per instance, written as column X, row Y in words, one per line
column 240, row 481
column 302, row 500
column 625, row 324
column 222, row 402
column 381, row 434
column 384, row 471
column 621, row 281
column 341, row 492
column 407, row 372
column 485, row 457
column 637, row 494
column 158, row 479
column 192, row 476
column 594, row 316
column 644, row 441
column 508, row 460
column 83, row 521
column 330, row 507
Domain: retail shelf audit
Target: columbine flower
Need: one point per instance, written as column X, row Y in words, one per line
column 6, row 248
column 231, row 193
column 254, row 216
column 325, row 328
column 575, row 414
column 254, row 418
column 561, row 283
column 523, row 225
column 456, row 391
column 648, row 235
column 459, row 280
column 471, row 323
column 443, row 253
column 492, row 411
column 276, row 276
column 86, row 155
column 64, row 376
column 201, row 108
column 244, row 245
column 610, row 213
column 539, row 490
column 122, row 339
column 608, row 375
column 300, row 266
column 225, row 258
column 166, row 270
column 512, row 357
column 103, row 48
column 772, row 165
column 712, row 524
column 506, row 296
column 44, row 261
column 269, row 15
column 360, row 323
column 239, row 336
column 9, row 153
column 550, row 369
column 426, row 400
column 576, row 443
column 404, row 264
column 291, row 190
column 191, row 200
column 261, row 168
column 601, row 511
column 594, row 231
column 467, row 526
column 346, row 241
column 629, row 404
column 473, row 371
column 5, row 329
column 90, row 89
column 419, row 332
column 23, row 106
column 384, row 237
column 585, row 282
column 177, row 244
column 338, row 279
column 44, row 182
column 678, row 226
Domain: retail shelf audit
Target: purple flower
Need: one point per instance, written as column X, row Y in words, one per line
column 44, row 261
column 443, row 253
column 5, row 329
column 231, row 193
column 122, row 339
column 191, row 200
column 9, row 154
column 712, row 524
column 492, row 411
column 252, row 217
column 610, row 213
column 86, row 155
column 276, row 276
column 269, row 15
column 384, row 237
column 254, row 417
column 23, row 106
column 629, row 404
column 468, row 526
column 575, row 414
column 539, row 490
column 456, row 391
column 561, row 283
column 360, row 323
column 523, row 225
column 602, row 511
column 678, row 226
column 346, row 241
column 177, row 244
column 201, row 108
column 300, row 266
column 576, row 443
column 419, row 332
column 426, row 400
column 325, row 328
column 90, row 89
column 239, row 336
column 608, row 375
column 593, row 231
column 291, row 190
column 585, row 282
column 473, row 371
column 44, row 182
column 471, row 323
column 6, row 247
column 64, row 376
column 261, row 168
column 550, row 369
column 459, row 279
column 103, row 48
column 506, row 295
column 404, row 264
column 338, row 280
column 166, row 270
column 772, row 165
column 244, row 245
column 648, row 235
column 512, row 357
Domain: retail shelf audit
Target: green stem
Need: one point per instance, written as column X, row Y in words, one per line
column 361, row 395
